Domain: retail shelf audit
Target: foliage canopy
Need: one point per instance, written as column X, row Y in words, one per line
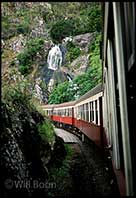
column 62, row 29
column 26, row 57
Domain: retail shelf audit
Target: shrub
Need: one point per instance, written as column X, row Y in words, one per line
column 26, row 57
column 62, row 29
column 94, row 19
column 46, row 131
column 73, row 51
column 59, row 94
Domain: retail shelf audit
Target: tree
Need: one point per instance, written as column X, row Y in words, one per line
column 62, row 29
column 26, row 57
column 59, row 94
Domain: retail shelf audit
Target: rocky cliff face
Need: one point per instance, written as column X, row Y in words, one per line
column 25, row 155
column 80, row 64
column 24, row 22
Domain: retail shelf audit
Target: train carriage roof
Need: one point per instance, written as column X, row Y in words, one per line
column 65, row 104
column 90, row 93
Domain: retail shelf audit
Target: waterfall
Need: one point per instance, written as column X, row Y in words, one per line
column 50, row 85
column 54, row 58
column 38, row 89
column 69, row 77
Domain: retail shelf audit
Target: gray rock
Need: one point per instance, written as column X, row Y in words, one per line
column 80, row 64
column 83, row 40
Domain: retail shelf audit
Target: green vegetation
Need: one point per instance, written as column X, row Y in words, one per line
column 62, row 174
column 46, row 131
column 59, row 94
column 24, row 26
column 26, row 57
column 93, row 76
column 61, row 29
column 73, row 51
column 16, row 89
column 92, row 18
column 87, row 18
column 66, row 91
column 61, row 18
column 18, row 95
column 15, row 21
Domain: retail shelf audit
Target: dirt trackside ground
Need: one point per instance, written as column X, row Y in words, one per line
column 84, row 173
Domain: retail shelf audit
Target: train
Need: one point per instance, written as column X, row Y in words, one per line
column 105, row 114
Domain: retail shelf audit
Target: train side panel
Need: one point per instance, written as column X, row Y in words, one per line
column 64, row 119
column 91, row 130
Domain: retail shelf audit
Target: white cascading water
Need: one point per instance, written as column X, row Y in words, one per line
column 54, row 59
column 38, row 91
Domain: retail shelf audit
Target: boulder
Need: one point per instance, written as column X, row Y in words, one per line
column 83, row 40
column 79, row 65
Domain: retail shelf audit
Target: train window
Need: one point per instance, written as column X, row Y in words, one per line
column 87, row 111
column 84, row 111
column 92, row 111
column 116, row 89
column 78, row 113
column 70, row 112
column 129, row 23
column 62, row 112
column 75, row 112
column 88, row 107
column 96, row 111
column 82, row 117
column 66, row 112
column 81, row 111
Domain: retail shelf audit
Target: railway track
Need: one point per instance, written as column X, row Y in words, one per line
column 92, row 175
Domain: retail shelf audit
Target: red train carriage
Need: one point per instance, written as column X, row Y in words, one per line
column 85, row 114
column 63, row 113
